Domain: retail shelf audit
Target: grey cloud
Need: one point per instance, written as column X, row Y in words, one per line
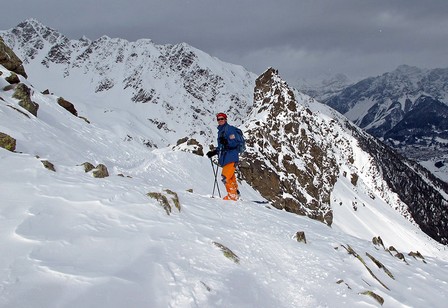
column 300, row 38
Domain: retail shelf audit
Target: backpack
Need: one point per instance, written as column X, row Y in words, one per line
column 241, row 141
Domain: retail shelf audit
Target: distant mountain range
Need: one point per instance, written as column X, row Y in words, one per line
column 406, row 108
column 167, row 96
column 325, row 89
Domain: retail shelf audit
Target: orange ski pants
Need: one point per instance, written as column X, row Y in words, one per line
column 229, row 180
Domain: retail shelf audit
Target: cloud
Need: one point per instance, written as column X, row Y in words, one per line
column 300, row 38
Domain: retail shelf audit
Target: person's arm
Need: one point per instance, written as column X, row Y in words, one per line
column 232, row 141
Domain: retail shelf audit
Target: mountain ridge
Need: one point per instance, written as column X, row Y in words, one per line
column 137, row 72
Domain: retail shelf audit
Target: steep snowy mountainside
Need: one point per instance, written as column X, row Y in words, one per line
column 56, row 128
column 175, row 89
column 300, row 149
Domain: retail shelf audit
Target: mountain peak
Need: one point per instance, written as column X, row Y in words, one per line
column 279, row 124
column 271, row 89
column 408, row 69
column 35, row 27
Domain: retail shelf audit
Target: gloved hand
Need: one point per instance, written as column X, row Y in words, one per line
column 223, row 141
column 211, row 153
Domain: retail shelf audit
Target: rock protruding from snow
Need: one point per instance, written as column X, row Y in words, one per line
column 10, row 60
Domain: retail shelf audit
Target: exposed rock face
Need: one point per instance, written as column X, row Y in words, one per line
column 88, row 166
column 287, row 164
column 9, row 59
column 295, row 156
column 48, row 165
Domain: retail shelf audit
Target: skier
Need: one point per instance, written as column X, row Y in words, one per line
column 228, row 155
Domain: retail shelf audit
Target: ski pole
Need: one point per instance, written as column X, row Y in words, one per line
column 215, row 173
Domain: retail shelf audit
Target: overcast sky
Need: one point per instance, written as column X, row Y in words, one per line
column 301, row 38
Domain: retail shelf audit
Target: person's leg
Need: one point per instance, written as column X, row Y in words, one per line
column 229, row 180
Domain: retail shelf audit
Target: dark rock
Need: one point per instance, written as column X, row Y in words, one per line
column 23, row 94
column 439, row 164
column 10, row 60
column 88, row 166
column 191, row 146
column 13, row 79
column 300, row 236
column 100, row 171
column 7, row 142
column 67, row 106
column 48, row 165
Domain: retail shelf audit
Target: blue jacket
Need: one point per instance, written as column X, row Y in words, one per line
column 227, row 153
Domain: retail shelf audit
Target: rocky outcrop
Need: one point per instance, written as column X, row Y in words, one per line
column 100, row 171
column 285, row 162
column 13, row 79
column 296, row 155
column 7, row 142
column 48, row 165
column 10, row 60
column 23, row 94
column 67, row 106
column 189, row 145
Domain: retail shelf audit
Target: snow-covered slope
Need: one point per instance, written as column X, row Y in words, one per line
column 73, row 240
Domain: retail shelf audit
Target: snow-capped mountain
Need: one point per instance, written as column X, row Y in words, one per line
column 407, row 108
column 154, row 82
column 147, row 233
column 325, row 89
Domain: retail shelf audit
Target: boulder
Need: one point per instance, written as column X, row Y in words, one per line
column 100, row 171
column 23, row 94
column 10, row 60
column 67, row 106
column 7, row 142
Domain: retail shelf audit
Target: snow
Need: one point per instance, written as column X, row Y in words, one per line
column 441, row 172
column 72, row 240
column 76, row 241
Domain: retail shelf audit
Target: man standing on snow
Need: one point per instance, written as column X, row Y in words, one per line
column 228, row 157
